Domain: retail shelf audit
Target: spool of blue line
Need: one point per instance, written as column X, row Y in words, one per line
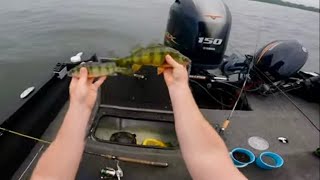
column 276, row 158
column 242, row 157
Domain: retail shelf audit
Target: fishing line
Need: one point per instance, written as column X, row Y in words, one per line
column 275, row 98
column 107, row 156
column 24, row 135
column 236, row 87
column 274, row 95
column 255, row 89
column 31, row 162
column 226, row 92
column 291, row 101
column 204, row 89
column 231, row 85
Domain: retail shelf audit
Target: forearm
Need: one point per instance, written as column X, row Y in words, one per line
column 62, row 158
column 205, row 153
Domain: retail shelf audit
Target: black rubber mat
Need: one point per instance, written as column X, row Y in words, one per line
column 148, row 93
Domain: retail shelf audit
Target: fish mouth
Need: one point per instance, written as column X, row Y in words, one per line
column 188, row 61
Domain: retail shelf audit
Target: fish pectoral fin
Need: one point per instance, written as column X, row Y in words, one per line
column 124, row 71
column 113, row 74
column 136, row 67
column 166, row 65
column 160, row 70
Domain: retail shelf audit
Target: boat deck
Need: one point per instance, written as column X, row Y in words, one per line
column 271, row 117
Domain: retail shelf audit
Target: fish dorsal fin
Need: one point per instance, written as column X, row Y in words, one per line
column 136, row 48
column 136, row 67
column 152, row 45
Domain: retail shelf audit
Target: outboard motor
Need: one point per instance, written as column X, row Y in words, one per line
column 200, row 30
column 279, row 60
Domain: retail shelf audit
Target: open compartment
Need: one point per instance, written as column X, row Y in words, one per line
column 140, row 132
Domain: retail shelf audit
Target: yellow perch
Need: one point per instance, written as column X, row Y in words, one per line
column 152, row 56
column 100, row 69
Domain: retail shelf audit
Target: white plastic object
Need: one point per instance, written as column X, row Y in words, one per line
column 76, row 58
column 283, row 140
column 258, row 143
column 26, row 92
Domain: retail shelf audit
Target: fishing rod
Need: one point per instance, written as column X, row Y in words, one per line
column 107, row 156
column 284, row 93
column 226, row 122
column 131, row 160
column 291, row 101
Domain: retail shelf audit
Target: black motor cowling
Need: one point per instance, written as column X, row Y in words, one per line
column 200, row 30
column 280, row 59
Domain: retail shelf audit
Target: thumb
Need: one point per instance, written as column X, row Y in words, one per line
column 83, row 75
column 171, row 61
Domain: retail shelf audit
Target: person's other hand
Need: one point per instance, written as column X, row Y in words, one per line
column 83, row 90
column 176, row 76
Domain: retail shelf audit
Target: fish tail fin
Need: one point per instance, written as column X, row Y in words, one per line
column 123, row 62
column 119, row 61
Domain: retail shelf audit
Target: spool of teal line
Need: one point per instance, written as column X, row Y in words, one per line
column 247, row 157
column 278, row 161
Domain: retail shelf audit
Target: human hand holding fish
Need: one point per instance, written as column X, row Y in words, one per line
column 83, row 90
column 175, row 75
column 153, row 55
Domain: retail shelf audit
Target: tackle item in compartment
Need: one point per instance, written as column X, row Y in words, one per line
column 123, row 138
column 154, row 142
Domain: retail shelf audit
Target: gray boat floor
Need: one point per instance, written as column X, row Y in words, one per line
column 270, row 118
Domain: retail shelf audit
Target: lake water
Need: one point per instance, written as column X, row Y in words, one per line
column 35, row 35
column 310, row 3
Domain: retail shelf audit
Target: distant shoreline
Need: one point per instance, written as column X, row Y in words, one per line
column 289, row 4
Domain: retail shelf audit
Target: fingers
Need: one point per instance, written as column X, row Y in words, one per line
column 172, row 62
column 90, row 80
column 167, row 72
column 98, row 83
column 83, row 75
column 73, row 82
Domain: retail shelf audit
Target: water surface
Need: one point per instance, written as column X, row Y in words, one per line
column 34, row 35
